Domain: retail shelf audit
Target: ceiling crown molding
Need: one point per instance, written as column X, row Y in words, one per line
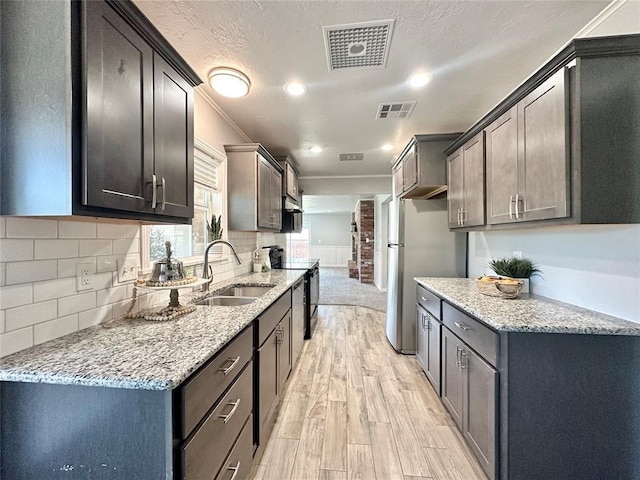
column 205, row 96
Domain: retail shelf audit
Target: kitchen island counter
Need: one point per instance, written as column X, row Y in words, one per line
column 141, row 354
column 528, row 313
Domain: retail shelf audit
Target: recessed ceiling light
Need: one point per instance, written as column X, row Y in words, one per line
column 229, row 82
column 315, row 149
column 295, row 88
column 386, row 147
column 419, row 80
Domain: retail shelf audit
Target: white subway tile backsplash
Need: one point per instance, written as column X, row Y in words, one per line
column 25, row 227
column 15, row 250
column 15, row 341
column 107, row 263
column 95, row 247
column 109, row 230
column 45, row 249
column 76, row 303
column 111, row 295
column 126, row 246
column 67, row 266
column 20, row 317
column 94, row 317
column 43, row 332
column 15, row 295
column 1, row 321
column 76, row 229
column 3, row 227
column 53, row 289
column 120, row 308
column 132, row 231
column 101, row 281
column 25, row 272
column 2, row 273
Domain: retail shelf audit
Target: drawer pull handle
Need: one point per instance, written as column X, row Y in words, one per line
column 164, row 193
column 425, row 299
column 235, row 471
column 458, row 355
column 462, row 326
column 234, row 362
column 463, row 355
column 228, row 416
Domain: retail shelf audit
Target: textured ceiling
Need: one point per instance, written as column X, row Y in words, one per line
column 477, row 51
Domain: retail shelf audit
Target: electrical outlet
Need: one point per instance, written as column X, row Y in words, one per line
column 127, row 270
column 84, row 276
column 517, row 254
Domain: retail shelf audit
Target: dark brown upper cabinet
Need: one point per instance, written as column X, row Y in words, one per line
column 562, row 147
column 105, row 131
column 465, row 171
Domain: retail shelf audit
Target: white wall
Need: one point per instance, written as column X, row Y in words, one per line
column 380, row 222
column 345, row 185
column 329, row 228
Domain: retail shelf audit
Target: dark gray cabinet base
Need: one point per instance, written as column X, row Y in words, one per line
column 74, row 432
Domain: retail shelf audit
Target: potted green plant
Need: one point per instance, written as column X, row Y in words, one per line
column 214, row 232
column 518, row 268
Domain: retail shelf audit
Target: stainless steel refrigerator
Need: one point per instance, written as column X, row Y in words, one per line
column 419, row 245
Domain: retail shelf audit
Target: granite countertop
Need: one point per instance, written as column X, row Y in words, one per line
column 528, row 313
column 141, row 354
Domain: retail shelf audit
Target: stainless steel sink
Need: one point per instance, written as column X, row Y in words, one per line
column 226, row 301
column 243, row 291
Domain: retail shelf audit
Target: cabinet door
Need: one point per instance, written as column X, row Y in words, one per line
column 455, row 187
column 422, row 345
column 397, row 180
column 480, row 409
column 410, row 169
column 502, row 166
column 473, row 182
column 433, row 352
column 118, row 113
column 265, row 218
column 291, row 181
column 173, row 141
column 276, row 199
column 284, row 354
column 543, row 162
column 452, row 375
column 268, row 383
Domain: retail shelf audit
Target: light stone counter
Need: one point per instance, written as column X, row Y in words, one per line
column 528, row 313
column 140, row 354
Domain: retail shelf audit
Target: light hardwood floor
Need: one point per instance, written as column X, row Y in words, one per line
column 355, row 409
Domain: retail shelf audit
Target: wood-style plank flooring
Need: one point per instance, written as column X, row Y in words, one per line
column 355, row 409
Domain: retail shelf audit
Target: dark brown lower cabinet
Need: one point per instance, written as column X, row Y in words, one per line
column 237, row 466
column 428, row 346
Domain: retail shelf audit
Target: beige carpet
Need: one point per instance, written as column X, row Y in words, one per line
column 336, row 288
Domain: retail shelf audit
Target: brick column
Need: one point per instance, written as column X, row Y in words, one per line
column 364, row 220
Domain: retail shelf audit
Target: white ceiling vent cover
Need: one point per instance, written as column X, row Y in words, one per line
column 350, row 157
column 395, row 110
column 358, row 45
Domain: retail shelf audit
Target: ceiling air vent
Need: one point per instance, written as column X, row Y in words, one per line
column 350, row 157
column 358, row 45
column 395, row 109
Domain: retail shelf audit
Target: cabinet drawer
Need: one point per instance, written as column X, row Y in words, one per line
column 429, row 301
column 205, row 452
column 482, row 339
column 239, row 460
column 204, row 389
column 272, row 316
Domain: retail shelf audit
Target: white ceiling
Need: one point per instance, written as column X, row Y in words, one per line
column 478, row 51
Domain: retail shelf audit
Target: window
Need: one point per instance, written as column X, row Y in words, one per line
column 188, row 241
column 298, row 244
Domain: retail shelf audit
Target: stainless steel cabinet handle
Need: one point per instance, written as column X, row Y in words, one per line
column 458, row 355
column 462, row 326
column 235, row 471
column 459, row 216
column 425, row 299
column 154, row 192
column 164, row 193
column 463, row 216
column 228, row 416
column 511, row 206
column 463, row 355
column 234, row 362
column 428, row 323
column 517, row 205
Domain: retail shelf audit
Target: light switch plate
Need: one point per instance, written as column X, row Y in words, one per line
column 127, row 270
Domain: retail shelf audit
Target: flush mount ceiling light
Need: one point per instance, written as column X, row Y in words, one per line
column 229, row 82
column 419, row 80
column 295, row 88
column 386, row 147
column 315, row 149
